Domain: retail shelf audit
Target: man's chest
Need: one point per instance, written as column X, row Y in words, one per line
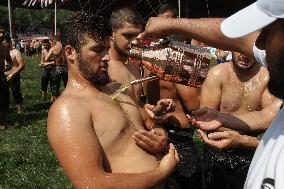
column 241, row 97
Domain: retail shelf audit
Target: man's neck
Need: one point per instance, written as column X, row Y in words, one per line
column 245, row 75
column 114, row 55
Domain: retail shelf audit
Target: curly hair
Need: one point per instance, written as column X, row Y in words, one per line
column 81, row 25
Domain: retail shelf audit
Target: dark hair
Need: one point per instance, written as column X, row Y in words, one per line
column 2, row 29
column 7, row 38
column 45, row 41
column 165, row 7
column 82, row 24
column 125, row 14
column 56, row 38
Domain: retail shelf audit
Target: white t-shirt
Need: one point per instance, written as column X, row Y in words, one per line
column 267, row 167
column 260, row 55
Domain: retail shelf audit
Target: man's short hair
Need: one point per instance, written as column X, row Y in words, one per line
column 81, row 25
column 45, row 41
column 168, row 7
column 125, row 14
column 7, row 38
column 56, row 38
column 2, row 29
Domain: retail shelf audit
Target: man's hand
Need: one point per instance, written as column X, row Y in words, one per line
column 169, row 161
column 206, row 119
column 157, row 113
column 153, row 141
column 9, row 77
column 156, row 26
column 221, row 140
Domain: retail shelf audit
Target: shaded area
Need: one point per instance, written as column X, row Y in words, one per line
column 190, row 8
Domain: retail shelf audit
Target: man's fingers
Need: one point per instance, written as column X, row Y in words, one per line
column 208, row 126
column 219, row 144
column 147, row 135
column 177, row 155
column 142, row 144
column 217, row 135
column 202, row 135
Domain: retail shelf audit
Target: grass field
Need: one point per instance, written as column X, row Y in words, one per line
column 26, row 159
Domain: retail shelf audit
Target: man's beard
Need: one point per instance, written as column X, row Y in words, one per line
column 94, row 78
column 276, row 73
column 118, row 50
column 244, row 69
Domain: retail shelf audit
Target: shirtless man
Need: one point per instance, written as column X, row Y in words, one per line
column 91, row 134
column 13, row 75
column 48, row 72
column 55, row 53
column 126, row 24
column 186, row 99
column 4, row 88
column 236, row 88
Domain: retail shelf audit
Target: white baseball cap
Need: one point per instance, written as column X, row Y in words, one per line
column 252, row 18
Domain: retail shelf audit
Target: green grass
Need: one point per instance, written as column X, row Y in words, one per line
column 26, row 159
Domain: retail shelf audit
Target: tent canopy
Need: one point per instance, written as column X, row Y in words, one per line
column 189, row 8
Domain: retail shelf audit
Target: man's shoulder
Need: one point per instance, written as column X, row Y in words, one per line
column 15, row 52
column 220, row 69
column 67, row 100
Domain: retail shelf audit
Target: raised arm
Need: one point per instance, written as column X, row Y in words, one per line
column 206, row 30
column 74, row 141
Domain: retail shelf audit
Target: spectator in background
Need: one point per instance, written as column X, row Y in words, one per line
column 13, row 75
column 55, row 53
column 48, row 73
column 4, row 88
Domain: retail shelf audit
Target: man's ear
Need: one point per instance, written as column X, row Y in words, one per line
column 111, row 37
column 70, row 53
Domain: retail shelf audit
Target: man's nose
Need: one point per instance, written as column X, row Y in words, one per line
column 106, row 57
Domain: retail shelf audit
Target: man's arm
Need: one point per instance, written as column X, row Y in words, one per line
column 74, row 141
column 206, row 30
column 49, row 54
column 43, row 63
column 260, row 120
column 210, row 119
column 211, row 89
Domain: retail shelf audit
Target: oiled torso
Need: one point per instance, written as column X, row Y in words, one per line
column 115, row 123
column 239, row 96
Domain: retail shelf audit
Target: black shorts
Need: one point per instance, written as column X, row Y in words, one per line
column 188, row 173
column 4, row 93
column 227, row 168
column 51, row 77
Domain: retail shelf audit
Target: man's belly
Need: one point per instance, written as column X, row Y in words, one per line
column 131, row 159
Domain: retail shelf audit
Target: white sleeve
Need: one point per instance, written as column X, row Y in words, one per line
column 260, row 55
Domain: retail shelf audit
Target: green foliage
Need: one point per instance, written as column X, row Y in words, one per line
column 34, row 17
column 26, row 159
